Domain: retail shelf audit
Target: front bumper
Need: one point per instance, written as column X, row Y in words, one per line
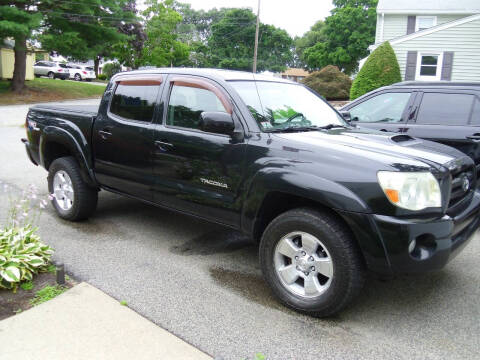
column 392, row 245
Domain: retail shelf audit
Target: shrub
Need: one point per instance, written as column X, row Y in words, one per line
column 329, row 82
column 111, row 69
column 380, row 69
column 102, row 77
column 21, row 255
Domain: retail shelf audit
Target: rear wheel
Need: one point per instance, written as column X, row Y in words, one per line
column 72, row 199
column 311, row 262
column 78, row 77
column 51, row 75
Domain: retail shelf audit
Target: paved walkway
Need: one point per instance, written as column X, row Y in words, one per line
column 85, row 323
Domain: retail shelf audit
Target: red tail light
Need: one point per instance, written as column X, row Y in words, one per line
column 84, row 72
column 59, row 70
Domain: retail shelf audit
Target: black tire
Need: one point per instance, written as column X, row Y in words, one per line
column 51, row 75
column 348, row 266
column 78, row 77
column 63, row 78
column 84, row 197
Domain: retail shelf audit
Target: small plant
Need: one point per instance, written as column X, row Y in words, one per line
column 51, row 269
column 380, row 69
column 28, row 285
column 329, row 82
column 111, row 69
column 47, row 293
column 102, row 77
column 18, row 311
column 123, row 303
column 21, row 255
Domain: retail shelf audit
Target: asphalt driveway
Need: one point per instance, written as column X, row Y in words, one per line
column 203, row 283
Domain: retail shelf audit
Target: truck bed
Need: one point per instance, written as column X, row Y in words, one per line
column 82, row 110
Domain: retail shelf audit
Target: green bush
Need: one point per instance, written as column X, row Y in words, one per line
column 329, row 82
column 380, row 69
column 102, row 77
column 21, row 255
column 111, row 69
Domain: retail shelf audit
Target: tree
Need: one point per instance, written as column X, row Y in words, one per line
column 348, row 31
column 380, row 69
column 129, row 52
column 330, row 82
column 232, row 41
column 18, row 20
column 84, row 30
column 162, row 47
column 315, row 35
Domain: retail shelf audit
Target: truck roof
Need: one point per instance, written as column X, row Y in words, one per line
column 227, row 75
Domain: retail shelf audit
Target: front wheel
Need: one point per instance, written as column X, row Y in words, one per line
column 51, row 75
column 77, row 77
column 72, row 198
column 311, row 262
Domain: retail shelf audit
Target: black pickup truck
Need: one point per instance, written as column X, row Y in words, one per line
column 326, row 201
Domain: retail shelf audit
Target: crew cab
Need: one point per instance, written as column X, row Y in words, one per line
column 325, row 201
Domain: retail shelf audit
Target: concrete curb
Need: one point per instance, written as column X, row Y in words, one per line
column 85, row 323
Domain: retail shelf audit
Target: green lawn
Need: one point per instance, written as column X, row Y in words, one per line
column 43, row 90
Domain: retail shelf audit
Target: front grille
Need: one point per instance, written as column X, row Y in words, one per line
column 459, row 177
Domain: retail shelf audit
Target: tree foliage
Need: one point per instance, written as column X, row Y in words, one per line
column 380, row 69
column 162, row 47
column 315, row 35
column 348, row 32
column 330, row 82
column 232, row 41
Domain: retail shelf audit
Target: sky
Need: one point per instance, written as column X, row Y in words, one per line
column 294, row 16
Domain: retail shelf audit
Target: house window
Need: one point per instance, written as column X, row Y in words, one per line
column 429, row 66
column 425, row 22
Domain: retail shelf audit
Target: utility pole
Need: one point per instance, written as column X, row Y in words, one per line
column 255, row 52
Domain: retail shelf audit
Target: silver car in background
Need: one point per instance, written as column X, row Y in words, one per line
column 51, row 69
column 81, row 72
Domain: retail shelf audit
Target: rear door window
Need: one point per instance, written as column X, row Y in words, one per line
column 386, row 107
column 134, row 102
column 445, row 109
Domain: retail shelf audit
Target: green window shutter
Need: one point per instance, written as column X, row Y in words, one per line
column 411, row 67
column 412, row 20
column 447, row 66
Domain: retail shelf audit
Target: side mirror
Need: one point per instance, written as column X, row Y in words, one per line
column 346, row 116
column 217, row 122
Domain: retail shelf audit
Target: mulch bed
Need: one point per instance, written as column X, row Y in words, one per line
column 12, row 303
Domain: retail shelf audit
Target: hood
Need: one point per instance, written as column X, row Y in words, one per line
column 364, row 141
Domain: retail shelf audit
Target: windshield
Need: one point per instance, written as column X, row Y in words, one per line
column 279, row 106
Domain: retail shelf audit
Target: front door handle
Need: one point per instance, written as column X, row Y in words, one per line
column 104, row 134
column 163, row 145
column 474, row 137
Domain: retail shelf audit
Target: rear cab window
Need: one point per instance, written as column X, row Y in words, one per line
column 135, row 99
column 445, row 109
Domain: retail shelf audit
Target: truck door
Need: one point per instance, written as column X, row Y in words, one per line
column 123, row 136
column 195, row 171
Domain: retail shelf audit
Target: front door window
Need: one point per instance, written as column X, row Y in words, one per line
column 386, row 107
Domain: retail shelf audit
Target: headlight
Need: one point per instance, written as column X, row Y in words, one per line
column 411, row 190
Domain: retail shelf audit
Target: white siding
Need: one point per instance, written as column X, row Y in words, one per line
column 463, row 40
column 396, row 25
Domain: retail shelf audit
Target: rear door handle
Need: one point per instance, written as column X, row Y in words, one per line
column 163, row 145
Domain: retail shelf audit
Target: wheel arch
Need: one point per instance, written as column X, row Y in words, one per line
column 55, row 143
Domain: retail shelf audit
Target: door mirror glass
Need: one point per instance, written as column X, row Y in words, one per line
column 217, row 122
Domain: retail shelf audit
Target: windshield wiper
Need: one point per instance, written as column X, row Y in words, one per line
column 331, row 126
column 294, row 129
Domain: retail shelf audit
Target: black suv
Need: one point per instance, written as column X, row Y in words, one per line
column 447, row 112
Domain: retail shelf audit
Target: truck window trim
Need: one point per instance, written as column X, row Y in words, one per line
column 133, row 80
column 202, row 84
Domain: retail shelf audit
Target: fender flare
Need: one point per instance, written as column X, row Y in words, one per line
column 61, row 136
column 325, row 192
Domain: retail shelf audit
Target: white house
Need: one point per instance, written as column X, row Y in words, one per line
column 433, row 39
